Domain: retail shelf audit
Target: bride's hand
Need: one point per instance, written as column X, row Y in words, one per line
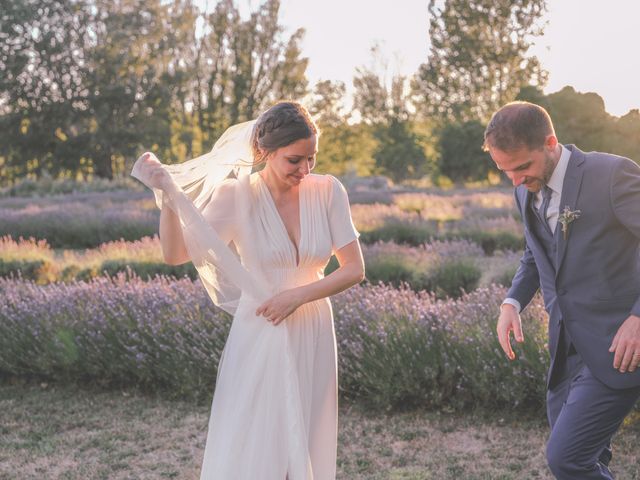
column 153, row 172
column 280, row 306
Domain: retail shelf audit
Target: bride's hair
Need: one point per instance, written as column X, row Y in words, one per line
column 281, row 125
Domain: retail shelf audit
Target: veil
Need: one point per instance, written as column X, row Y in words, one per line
column 194, row 181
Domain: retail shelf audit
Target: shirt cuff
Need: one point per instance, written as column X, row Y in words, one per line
column 512, row 301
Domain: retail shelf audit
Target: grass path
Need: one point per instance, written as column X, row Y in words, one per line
column 68, row 432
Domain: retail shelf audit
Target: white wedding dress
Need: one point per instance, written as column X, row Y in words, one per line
column 274, row 410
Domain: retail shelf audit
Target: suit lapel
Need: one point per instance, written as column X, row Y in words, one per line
column 526, row 199
column 570, row 191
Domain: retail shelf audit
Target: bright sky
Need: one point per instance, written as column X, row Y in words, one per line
column 592, row 45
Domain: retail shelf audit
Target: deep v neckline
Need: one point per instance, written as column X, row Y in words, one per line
column 292, row 241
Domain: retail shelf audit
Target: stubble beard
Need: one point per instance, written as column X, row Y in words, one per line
column 549, row 167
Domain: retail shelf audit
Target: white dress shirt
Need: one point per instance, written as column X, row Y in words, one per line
column 553, row 211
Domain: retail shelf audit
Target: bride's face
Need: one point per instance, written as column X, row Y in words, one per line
column 290, row 164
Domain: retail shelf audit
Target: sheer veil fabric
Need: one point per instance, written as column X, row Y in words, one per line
column 195, row 183
column 274, row 410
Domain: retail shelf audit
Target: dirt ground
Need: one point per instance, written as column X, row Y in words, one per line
column 73, row 432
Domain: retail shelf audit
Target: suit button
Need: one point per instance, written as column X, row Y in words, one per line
column 562, row 292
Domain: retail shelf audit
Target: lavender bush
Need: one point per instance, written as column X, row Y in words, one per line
column 445, row 268
column 47, row 185
column 31, row 259
column 488, row 220
column 397, row 348
column 85, row 220
column 35, row 260
column 81, row 220
column 164, row 334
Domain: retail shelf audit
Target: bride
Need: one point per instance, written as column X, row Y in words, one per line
column 260, row 242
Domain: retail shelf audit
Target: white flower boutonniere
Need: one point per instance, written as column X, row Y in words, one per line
column 566, row 217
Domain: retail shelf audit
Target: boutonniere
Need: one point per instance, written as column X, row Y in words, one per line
column 566, row 217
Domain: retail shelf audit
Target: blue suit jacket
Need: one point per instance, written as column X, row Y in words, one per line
column 595, row 282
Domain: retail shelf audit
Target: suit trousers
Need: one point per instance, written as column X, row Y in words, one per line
column 584, row 414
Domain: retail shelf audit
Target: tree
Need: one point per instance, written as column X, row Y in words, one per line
column 479, row 57
column 327, row 107
column 399, row 154
column 627, row 135
column 345, row 148
column 461, row 154
column 581, row 118
column 244, row 65
column 42, row 87
column 128, row 67
column 85, row 85
column 388, row 112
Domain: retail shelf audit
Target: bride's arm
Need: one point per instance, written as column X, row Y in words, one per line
column 350, row 272
column 174, row 250
column 153, row 174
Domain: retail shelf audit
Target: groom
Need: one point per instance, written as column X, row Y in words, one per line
column 581, row 215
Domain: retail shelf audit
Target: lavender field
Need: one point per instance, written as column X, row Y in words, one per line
column 87, row 305
column 85, row 295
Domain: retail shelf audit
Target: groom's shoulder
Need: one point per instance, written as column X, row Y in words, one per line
column 603, row 163
column 597, row 158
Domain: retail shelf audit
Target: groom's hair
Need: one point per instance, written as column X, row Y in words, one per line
column 517, row 125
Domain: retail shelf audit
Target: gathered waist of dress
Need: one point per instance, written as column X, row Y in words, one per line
column 283, row 278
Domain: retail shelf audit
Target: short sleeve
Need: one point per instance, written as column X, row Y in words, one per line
column 220, row 212
column 341, row 225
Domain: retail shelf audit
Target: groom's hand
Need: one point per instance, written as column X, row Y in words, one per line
column 509, row 321
column 626, row 345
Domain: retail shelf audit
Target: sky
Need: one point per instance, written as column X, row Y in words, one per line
column 592, row 45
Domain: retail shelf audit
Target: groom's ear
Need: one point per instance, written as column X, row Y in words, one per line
column 551, row 141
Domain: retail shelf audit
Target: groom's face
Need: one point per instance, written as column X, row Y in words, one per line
column 531, row 168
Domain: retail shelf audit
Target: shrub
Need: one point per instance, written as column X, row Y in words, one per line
column 29, row 259
column 397, row 348
column 452, row 278
column 46, row 185
column 444, row 268
column 79, row 221
column 408, row 233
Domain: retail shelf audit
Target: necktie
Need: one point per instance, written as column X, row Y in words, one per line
column 542, row 211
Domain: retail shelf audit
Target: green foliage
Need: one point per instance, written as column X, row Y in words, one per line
column 87, row 85
column 387, row 109
column 478, row 57
column 461, row 154
column 506, row 277
column 145, row 270
column 626, row 138
column 47, row 185
column 452, row 278
column 490, row 241
column 400, row 232
column 394, row 270
column 580, row 118
column 40, row 271
column 346, row 150
column 400, row 155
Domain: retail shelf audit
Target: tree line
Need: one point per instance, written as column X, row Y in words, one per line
column 86, row 85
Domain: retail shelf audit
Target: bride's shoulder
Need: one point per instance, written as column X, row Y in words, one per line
column 325, row 181
column 227, row 186
column 326, row 186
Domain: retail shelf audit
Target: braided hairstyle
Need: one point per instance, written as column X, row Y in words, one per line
column 281, row 125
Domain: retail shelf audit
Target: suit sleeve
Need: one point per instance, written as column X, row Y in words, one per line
column 526, row 281
column 625, row 201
